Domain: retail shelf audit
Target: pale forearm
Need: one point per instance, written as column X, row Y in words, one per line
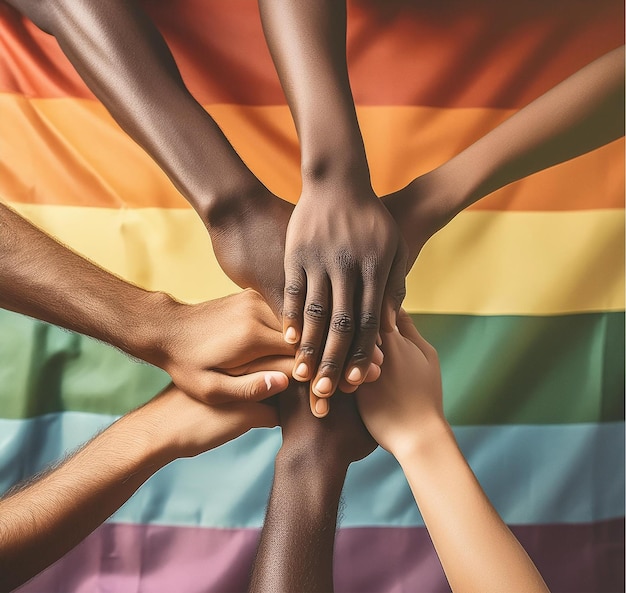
column 476, row 549
column 580, row 114
column 44, row 520
column 124, row 60
column 296, row 548
column 41, row 278
column 308, row 44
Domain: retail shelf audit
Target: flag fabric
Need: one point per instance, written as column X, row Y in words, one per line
column 522, row 294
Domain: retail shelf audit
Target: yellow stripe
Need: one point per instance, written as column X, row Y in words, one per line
column 483, row 263
column 69, row 151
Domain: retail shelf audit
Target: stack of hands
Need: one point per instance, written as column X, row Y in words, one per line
column 324, row 329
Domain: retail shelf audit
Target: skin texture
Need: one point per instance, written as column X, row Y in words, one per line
column 46, row 280
column 296, row 548
column 403, row 411
column 335, row 278
column 45, row 518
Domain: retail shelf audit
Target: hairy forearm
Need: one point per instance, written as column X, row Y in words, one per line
column 42, row 278
column 476, row 549
column 124, row 60
column 45, row 519
column 296, row 548
column 307, row 41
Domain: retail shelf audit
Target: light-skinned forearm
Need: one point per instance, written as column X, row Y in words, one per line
column 307, row 41
column 44, row 279
column 580, row 114
column 124, row 60
column 476, row 549
column 296, row 548
column 42, row 521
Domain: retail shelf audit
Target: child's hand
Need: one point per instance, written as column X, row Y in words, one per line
column 406, row 400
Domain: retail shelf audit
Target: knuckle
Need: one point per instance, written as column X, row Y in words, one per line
column 315, row 311
column 294, row 289
column 328, row 367
column 291, row 314
column 359, row 357
column 306, row 350
column 368, row 321
column 341, row 323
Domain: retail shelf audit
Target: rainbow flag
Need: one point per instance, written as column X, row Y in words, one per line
column 522, row 294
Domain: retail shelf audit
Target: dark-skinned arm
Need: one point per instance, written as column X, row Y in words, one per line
column 124, row 60
column 580, row 114
column 344, row 255
column 296, row 548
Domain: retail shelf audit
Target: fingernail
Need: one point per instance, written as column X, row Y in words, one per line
column 321, row 407
column 324, row 386
column 291, row 336
column 268, row 382
column 302, row 370
column 354, row 375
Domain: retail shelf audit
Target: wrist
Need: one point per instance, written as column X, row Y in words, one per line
column 420, row 445
column 341, row 169
column 152, row 317
column 137, row 440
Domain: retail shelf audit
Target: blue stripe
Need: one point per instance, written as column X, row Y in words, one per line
column 533, row 474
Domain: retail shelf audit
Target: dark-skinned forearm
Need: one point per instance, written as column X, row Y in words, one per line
column 307, row 41
column 124, row 60
column 296, row 548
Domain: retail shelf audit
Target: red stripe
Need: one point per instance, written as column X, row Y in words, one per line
column 585, row 558
column 483, row 53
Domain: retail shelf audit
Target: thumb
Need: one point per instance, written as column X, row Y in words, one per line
column 252, row 387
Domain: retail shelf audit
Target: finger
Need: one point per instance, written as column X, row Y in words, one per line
column 364, row 345
column 293, row 302
column 284, row 364
column 314, row 328
column 340, row 334
column 319, row 406
column 253, row 387
column 373, row 373
column 395, row 291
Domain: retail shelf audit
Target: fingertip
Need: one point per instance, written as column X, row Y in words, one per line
column 323, row 387
column 291, row 335
column 275, row 381
column 301, row 372
column 373, row 373
column 321, row 408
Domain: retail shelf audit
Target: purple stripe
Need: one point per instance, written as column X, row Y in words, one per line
column 123, row 558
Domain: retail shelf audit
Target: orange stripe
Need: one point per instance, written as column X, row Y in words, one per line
column 456, row 54
column 69, row 151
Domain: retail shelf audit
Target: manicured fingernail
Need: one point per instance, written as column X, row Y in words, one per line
column 355, row 375
column 302, row 370
column 324, row 386
column 291, row 336
column 321, row 407
column 268, row 382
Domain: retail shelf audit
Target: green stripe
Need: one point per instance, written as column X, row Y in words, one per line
column 529, row 370
column 496, row 370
